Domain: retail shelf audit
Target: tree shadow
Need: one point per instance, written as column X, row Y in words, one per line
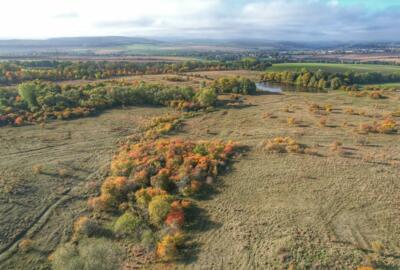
column 198, row 221
column 266, row 93
column 233, row 104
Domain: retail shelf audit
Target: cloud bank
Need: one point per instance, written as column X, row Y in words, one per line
column 298, row 20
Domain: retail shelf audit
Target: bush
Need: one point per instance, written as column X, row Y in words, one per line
column 283, row 145
column 148, row 239
column 93, row 254
column 175, row 218
column 167, row 249
column 159, row 208
column 25, row 245
column 161, row 179
column 129, row 224
column 387, row 126
column 28, row 92
column 206, row 97
column 145, row 195
column 115, row 190
column 85, row 226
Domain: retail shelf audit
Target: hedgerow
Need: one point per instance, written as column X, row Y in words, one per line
column 328, row 80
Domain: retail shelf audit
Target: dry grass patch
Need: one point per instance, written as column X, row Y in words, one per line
column 322, row 122
column 37, row 169
column 387, row 126
column 286, row 145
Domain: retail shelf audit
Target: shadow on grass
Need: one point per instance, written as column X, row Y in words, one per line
column 198, row 221
column 233, row 104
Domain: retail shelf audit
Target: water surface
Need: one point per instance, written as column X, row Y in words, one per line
column 280, row 88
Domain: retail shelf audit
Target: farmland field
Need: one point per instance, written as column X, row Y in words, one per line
column 335, row 67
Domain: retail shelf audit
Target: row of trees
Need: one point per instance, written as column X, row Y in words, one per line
column 17, row 71
column 35, row 100
column 327, row 80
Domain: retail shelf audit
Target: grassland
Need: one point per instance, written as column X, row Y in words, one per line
column 334, row 208
column 46, row 175
column 386, row 85
column 335, row 67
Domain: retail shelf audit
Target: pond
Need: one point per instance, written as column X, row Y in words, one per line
column 280, row 88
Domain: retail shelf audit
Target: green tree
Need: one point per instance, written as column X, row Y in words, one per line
column 28, row 92
column 206, row 97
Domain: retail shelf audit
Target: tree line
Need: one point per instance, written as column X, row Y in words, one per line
column 236, row 85
column 329, row 80
column 38, row 101
column 20, row 71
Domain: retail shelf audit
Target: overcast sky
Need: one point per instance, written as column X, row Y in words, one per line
column 297, row 20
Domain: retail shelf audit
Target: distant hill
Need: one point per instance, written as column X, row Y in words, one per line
column 74, row 42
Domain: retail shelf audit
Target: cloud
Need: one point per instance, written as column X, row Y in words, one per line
column 67, row 15
column 265, row 19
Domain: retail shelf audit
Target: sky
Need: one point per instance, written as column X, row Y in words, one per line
column 289, row 20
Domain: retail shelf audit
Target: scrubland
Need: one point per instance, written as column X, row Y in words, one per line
column 315, row 185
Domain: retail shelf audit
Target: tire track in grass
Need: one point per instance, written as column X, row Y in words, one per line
column 7, row 251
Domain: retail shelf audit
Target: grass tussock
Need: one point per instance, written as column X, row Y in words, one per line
column 322, row 122
column 25, row 245
column 37, row 169
column 370, row 94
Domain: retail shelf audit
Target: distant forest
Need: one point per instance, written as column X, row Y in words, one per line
column 20, row 71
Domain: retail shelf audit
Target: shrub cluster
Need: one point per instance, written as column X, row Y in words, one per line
column 152, row 177
column 283, row 145
column 162, row 125
column 370, row 94
column 386, row 126
column 237, row 85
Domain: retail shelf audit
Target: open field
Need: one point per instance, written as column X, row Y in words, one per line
column 100, row 57
column 363, row 58
column 46, row 175
column 328, row 210
column 386, row 85
column 335, row 67
column 323, row 211
column 192, row 79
